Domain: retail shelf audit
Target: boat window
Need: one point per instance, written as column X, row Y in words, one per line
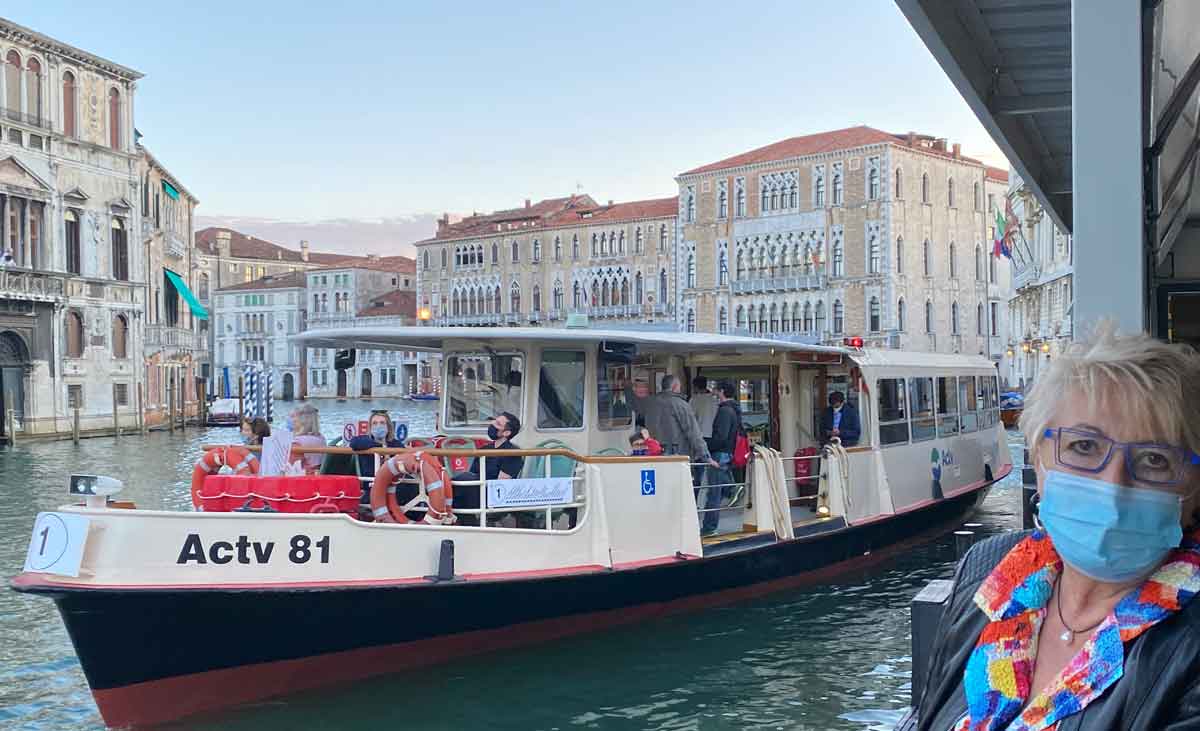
column 893, row 419
column 612, row 410
column 968, row 402
column 560, row 389
column 947, row 403
column 920, row 404
column 481, row 385
column 990, row 396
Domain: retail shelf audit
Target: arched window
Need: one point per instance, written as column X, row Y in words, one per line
column 537, row 250
column 722, row 320
column 774, row 322
column 691, row 320
column 70, row 102
column 576, row 296
column 808, row 259
column 514, row 296
column 992, row 269
column 691, row 206
column 603, row 293
column 740, row 267
column 443, row 258
column 33, row 90
column 977, row 200
column 496, row 299
column 838, row 188
column 662, row 286
column 537, row 298
column 839, row 264
column 819, row 319
column 874, row 255
column 316, row 303
column 425, row 259
column 12, row 81
column 762, row 319
column 819, row 191
column 74, row 252
column 662, row 238
column 873, row 181
column 953, row 260
column 455, row 304
column 558, row 295
column 74, row 335
column 596, row 293
column 875, row 314
column 979, row 319
column 723, row 268
column 899, row 192
column 900, row 315
column 516, row 252
column 637, row 288
column 575, row 246
column 495, row 252
column 595, row 246
column 794, row 195
column 740, row 199
column 603, row 244
column 797, row 318
column 120, row 337
column 978, row 263
column 927, row 258
column 772, row 260
column 900, row 255
column 925, row 188
column 839, row 317
column 114, row 119
column 120, row 251
column 740, row 318
column 624, row 291
column 691, row 271
column 722, row 202
column 928, row 316
column 638, row 241
column 954, row 318
column 950, row 192
column 765, row 199
column 808, row 317
column 557, row 249
column 621, row 242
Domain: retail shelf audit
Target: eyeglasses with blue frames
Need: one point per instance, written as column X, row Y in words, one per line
column 1150, row 464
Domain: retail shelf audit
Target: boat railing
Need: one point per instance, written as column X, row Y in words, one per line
column 810, row 480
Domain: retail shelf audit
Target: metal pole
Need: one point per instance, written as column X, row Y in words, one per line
column 241, row 398
column 963, row 540
column 75, row 427
column 116, row 417
column 141, row 401
column 203, row 408
column 170, row 404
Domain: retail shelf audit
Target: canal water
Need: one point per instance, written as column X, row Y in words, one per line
column 834, row 656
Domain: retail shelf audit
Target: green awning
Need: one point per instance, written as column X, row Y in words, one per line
column 181, row 286
column 170, row 189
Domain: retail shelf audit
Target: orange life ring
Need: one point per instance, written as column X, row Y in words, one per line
column 434, row 479
column 241, row 461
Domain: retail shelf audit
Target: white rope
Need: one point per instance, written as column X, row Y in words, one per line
column 834, row 451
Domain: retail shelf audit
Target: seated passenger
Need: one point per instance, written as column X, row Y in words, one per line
column 382, row 434
column 386, row 501
column 644, row 445
column 306, row 432
column 501, row 431
column 254, row 430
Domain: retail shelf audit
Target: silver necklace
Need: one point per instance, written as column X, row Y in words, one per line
column 1068, row 634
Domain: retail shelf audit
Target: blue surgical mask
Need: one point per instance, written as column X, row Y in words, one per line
column 379, row 431
column 1108, row 532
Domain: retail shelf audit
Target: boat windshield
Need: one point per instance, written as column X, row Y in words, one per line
column 481, row 385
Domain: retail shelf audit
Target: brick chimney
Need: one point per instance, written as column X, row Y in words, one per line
column 528, row 203
column 223, row 245
column 443, row 222
column 373, row 258
column 912, row 139
column 610, row 202
column 303, row 251
column 957, row 150
column 940, row 144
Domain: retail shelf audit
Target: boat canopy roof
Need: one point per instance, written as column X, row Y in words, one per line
column 435, row 339
column 887, row 358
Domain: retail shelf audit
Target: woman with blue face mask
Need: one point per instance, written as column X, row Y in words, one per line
column 381, row 433
column 1089, row 621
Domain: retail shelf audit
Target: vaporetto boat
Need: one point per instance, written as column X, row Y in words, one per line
column 174, row 613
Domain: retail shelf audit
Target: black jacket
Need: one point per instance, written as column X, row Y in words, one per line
column 726, row 425
column 1159, row 691
column 850, row 430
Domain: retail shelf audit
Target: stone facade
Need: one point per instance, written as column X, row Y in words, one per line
column 255, row 323
column 175, row 339
column 1040, row 312
column 73, row 287
column 854, row 232
column 533, row 265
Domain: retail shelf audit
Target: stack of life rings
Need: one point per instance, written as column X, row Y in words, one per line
column 241, row 461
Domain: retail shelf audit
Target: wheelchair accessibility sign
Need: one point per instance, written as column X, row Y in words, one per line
column 647, row 482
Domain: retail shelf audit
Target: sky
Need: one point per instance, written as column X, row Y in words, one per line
column 368, row 110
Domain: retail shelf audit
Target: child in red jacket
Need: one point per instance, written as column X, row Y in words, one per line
column 644, row 445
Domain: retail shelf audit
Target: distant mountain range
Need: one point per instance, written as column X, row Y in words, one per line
column 383, row 236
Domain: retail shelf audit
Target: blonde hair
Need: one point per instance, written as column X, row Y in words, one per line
column 1148, row 380
column 308, row 420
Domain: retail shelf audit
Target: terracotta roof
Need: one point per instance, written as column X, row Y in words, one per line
column 627, row 211
column 839, row 139
column 271, row 281
column 393, row 264
column 398, row 302
column 485, row 223
column 998, row 174
column 248, row 247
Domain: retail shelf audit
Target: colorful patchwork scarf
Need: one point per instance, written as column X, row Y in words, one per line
column 1014, row 597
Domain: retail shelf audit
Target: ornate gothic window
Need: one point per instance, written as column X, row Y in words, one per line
column 839, row 318
column 722, row 320
column 900, row 315
column 875, row 315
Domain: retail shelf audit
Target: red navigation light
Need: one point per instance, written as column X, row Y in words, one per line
column 853, row 342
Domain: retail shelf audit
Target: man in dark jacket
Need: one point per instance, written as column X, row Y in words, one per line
column 841, row 420
column 727, row 424
column 670, row 420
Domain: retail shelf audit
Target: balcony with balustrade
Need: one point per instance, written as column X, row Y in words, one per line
column 27, row 284
column 171, row 336
column 790, row 283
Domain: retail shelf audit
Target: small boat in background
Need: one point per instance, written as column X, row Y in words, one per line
column 1011, row 405
column 424, row 397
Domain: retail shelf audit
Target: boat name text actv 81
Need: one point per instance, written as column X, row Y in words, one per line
column 222, row 552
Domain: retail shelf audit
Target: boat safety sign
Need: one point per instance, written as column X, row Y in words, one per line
column 647, row 482
column 57, row 544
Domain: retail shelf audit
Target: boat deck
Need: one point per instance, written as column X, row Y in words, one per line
column 732, row 536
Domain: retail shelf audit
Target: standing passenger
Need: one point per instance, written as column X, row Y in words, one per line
column 841, row 420
column 671, row 421
column 306, row 432
column 704, row 406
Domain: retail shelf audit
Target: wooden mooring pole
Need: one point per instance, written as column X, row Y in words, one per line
column 116, row 415
column 75, row 427
column 202, row 409
column 141, row 406
column 171, row 404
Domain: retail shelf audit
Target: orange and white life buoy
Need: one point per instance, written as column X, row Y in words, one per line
column 434, row 489
column 241, row 461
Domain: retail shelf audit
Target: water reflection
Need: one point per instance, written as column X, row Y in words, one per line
column 832, row 656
